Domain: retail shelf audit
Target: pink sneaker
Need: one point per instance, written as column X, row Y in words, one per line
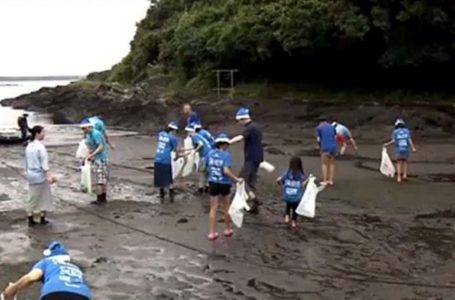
column 228, row 232
column 213, row 236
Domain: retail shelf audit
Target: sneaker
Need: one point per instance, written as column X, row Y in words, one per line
column 228, row 232
column 32, row 223
column 213, row 236
column 44, row 222
column 96, row 202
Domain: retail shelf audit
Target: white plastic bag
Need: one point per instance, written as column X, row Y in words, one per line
column 239, row 205
column 268, row 167
column 177, row 165
column 86, row 178
column 188, row 168
column 197, row 161
column 307, row 206
column 387, row 168
column 82, row 150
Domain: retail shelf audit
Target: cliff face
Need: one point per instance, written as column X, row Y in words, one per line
column 69, row 104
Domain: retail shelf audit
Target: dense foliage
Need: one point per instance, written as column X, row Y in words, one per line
column 294, row 39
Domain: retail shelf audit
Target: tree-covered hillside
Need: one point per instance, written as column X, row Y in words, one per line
column 347, row 41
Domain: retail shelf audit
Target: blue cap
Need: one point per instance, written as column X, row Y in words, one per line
column 55, row 248
column 399, row 121
column 222, row 138
column 191, row 127
column 86, row 123
column 173, row 125
column 242, row 113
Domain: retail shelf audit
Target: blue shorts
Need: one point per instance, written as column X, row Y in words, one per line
column 330, row 151
column 402, row 155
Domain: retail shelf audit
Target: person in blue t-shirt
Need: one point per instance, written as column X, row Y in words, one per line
column 205, row 134
column 99, row 155
column 167, row 143
column 62, row 280
column 99, row 125
column 326, row 137
column 220, row 178
column 190, row 116
column 401, row 137
column 203, row 147
column 292, row 182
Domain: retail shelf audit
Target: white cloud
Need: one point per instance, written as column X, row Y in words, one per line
column 57, row 37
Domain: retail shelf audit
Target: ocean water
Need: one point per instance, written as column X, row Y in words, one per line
column 12, row 89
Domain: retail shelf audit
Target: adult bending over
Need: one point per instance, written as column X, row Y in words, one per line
column 61, row 279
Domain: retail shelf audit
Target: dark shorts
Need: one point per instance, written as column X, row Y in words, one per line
column 64, row 296
column 249, row 173
column 163, row 175
column 219, row 189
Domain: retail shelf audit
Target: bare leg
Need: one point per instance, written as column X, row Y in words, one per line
column 227, row 218
column 324, row 166
column 343, row 148
column 212, row 217
column 399, row 170
column 331, row 169
column 405, row 170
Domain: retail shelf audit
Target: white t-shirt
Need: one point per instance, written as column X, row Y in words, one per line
column 36, row 162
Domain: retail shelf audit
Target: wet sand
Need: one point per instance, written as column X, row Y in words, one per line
column 371, row 238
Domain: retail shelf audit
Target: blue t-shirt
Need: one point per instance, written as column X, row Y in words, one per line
column 327, row 136
column 208, row 136
column 217, row 161
column 401, row 136
column 193, row 118
column 254, row 151
column 62, row 276
column 206, row 147
column 292, row 187
column 167, row 142
column 94, row 140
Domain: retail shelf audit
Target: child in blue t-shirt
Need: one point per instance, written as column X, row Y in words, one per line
column 292, row 183
column 220, row 178
column 167, row 143
column 401, row 137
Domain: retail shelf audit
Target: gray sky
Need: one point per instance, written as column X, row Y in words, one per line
column 65, row 37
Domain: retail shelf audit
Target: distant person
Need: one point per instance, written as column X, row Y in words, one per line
column 99, row 125
column 203, row 147
column 220, row 180
column 253, row 154
column 292, row 182
column 61, row 279
column 190, row 115
column 205, row 133
column 99, row 155
column 167, row 143
column 401, row 137
column 326, row 138
column 22, row 122
column 39, row 177
column 343, row 135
